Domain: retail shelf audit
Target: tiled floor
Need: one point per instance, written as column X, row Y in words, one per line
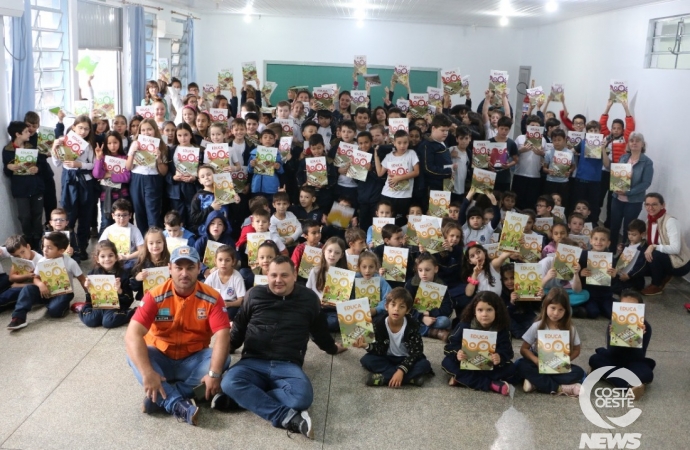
column 65, row 386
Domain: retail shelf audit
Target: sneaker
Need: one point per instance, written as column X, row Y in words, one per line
column 301, row 423
column 417, row 381
column 148, row 406
column 16, row 324
column 528, row 387
column 569, row 390
column 579, row 312
column 502, row 388
column 223, row 402
column 77, row 307
column 375, row 379
column 638, row 391
column 652, row 290
column 186, row 411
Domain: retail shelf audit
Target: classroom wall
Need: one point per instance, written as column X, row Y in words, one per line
column 224, row 41
column 586, row 53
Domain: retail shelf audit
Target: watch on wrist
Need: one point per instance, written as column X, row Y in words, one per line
column 213, row 374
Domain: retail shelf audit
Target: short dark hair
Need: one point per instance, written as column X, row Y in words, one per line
column 657, row 196
column 192, row 85
column 534, row 119
column 440, row 120
column 389, row 230
column 324, row 114
column 32, row 117
column 462, row 131
column 58, row 239
column 309, row 223
column 316, row 139
column 474, row 212
column 251, row 115
column 619, row 122
column 281, row 197
column 632, row 293
column 16, row 127
column 579, row 116
column 504, row 122
column 362, row 110
column 546, row 199
column 309, row 123
column 260, row 212
column 282, row 259
column 354, row 235
column 348, row 124
column 229, row 249
column 14, row 243
column 557, row 133
column 637, row 225
column 365, row 134
column 400, row 134
column 122, row 205
column 593, row 125
column 173, row 218
column 400, row 293
column 309, row 190
column 267, row 132
column 552, row 123
column 602, row 230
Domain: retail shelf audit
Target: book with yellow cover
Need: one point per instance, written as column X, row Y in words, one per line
column 354, row 317
column 527, row 281
column 621, row 177
column 560, row 163
column 360, row 64
column 121, row 238
column 352, row 262
column 492, row 250
column 543, row 224
column 395, row 263
column 103, row 292
column 22, row 267
column 174, row 243
column 627, row 325
column 268, row 89
column 317, row 171
column 559, row 212
column 599, row 263
column 224, row 188
column 483, row 181
column 265, row 160
column 566, row 257
column 531, row 248
column 254, row 240
column 287, row 227
column 478, row 346
column 480, row 154
column 369, row 289
column 340, row 215
column 310, row 258
column 54, row 274
column 429, row 234
column 512, row 232
column 155, row 277
column 439, row 203
column 339, row 284
column 226, row 79
column 553, row 351
column 429, row 296
column 411, row 232
column 210, row 253
column 377, row 225
column 452, row 80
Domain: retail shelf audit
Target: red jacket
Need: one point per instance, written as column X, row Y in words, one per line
column 243, row 236
column 566, row 121
column 617, row 145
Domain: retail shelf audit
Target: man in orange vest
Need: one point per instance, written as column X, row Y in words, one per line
column 168, row 340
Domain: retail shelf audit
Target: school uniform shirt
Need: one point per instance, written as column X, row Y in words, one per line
column 288, row 215
column 237, row 152
column 490, row 132
column 396, row 165
column 311, row 282
column 135, row 237
column 327, row 136
column 141, row 170
column 484, row 284
column 529, row 163
column 481, row 236
column 231, row 290
column 460, row 174
column 86, row 160
column 531, row 336
column 548, row 158
column 73, row 269
column 396, row 346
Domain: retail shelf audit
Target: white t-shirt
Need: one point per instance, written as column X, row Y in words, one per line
column 73, row 269
column 327, row 136
column 140, row 170
column 397, row 347
column 135, row 237
column 288, row 215
column 3, row 254
column 399, row 165
column 529, row 163
column 311, row 281
column 236, row 151
column 230, row 291
column 484, row 284
column 531, row 336
column 481, row 236
column 460, row 175
column 489, row 131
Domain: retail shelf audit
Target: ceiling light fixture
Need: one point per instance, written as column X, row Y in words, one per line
column 504, row 21
column 551, row 6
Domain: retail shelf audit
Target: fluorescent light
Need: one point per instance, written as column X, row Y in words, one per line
column 551, row 6
column 504, row 21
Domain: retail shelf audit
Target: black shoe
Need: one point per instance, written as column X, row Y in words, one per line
column 94, row 233
column 301, row 423
column 375, row 379
column 223, row 402
column 148, row 406
column 417, row 381
column 186, row 411
column 16, row 324
column 579, row 312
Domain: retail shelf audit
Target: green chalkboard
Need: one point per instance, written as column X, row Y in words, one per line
column 288, row 74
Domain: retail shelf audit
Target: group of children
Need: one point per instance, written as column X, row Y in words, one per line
column 404, row 168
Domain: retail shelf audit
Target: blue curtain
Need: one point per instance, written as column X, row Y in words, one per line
column 191, row 60
column 23, row 93
column 137, row 45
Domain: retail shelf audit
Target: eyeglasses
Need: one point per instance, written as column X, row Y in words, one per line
column 58, row 220
column 647, row 205
column 121, row 216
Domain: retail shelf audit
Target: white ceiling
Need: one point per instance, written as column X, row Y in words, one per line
column 521, row 13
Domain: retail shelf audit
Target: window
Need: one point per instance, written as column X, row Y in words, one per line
column 151, row 70
column 178, row 55
column 50, row 42
column 668, row 44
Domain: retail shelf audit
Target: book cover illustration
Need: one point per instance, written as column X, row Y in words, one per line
column 254, row 240
column 618, row 91
column 285, row 146
column 72, row 147
column 103, row 292
column 147, row 112
column 627, row 325
column 483, row 181
column 340, row 215
column 360, row 63
column 354, row 317
column 310, row 258
column 465, row 86
column 403, row 105
column 480, row 154
column 439, row 203
column 287, row 227
column 186, row 160
column 498, row 156
column 587, row 229
column 557, row 91
column 527, row 281
column 116, row 166
column 377, row 225
column 553, row 351
column 226, row 79
column 218, row 114
column 210, row 253
column 419, row 105
column 369, row 289
column 260, row 280
column 53, row 274
column 164, row 70
column 343, row 154
column 536, row 95
column 121, row 239
column 104, row 105
column 452, row 81
column 594, row 145
column 174, row 243
column 155, row 276
column 224, row 188
column 627, row 259
column 566, row 258
column 358, row 165
column 265, row 160
column 478, row 346
column 339, row 284
column 25, row 158
column 543, row 224
column 534, row 136
column 560, row 163
column 240, row 179
column 574, row 138
column 287, row 126
column 22, row 267
column 621, row 177
column 429, row 296
column 208, row 91
column 249, row 70
column 580, row 239
column 359, row 100
column 559, row 212
column 599, row 263
column 531, row 248
column 146, row 153
column 268, row 89
column 373, row 79
column 429, row 234
column 323, row 98
column 317, row 174
column 512, row 232
column 46, row 137
column 352, row 262
column 396, row 124
column 435, row 97
column 395, row 263
column 492, row 250
column 411, row 232
column 401, row 74
column 498, row 80
column 217, row 156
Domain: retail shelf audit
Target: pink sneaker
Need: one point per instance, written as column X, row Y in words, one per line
column 502, row 388
column 570, row 390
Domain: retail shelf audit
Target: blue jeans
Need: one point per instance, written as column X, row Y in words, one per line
column 331, row 319
column 146, row 192
column 107, row 318
column 79, row 199
column 273, row 390
column 388, row 365
column 547, row 383
column 442, row 322
column 181, row 375
column 622, row 213
column 30, row 295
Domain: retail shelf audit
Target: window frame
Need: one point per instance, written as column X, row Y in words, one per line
column 653, row 55
column 151, row 69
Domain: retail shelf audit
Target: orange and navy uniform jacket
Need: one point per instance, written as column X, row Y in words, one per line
column 619, row 145
column 178, row 326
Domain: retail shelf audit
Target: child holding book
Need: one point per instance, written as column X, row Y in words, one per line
column 576, row 293
column 384, row 209
column 204, row 201
column 486, row 313
column 508, row 200
column 369, row 190
column 632, row 359
column 600, row 297
column 109, row 180
column 323, row 192
column 502, row 170
column 181, row 186
column 355, row 239
column 174, row 228
column 589, row 172
column 558, row 183
column 472, row 220
column 155, row 254
column 521, row 313
column 261, row 220
column 312, row 238
column 17, row 247
column 33, row 122
column 393, row 236
column 227, row 281
column 461, row 161
column 217, row 230
column 203, row 122
column 396, row 356
column 633, row 277
column 58, row 222
column 555, row 315
column 267, row 252
column 281, row 203
column 368, row 266
column 106, row 262
column 435, row 322
column 346, row 186
column 558, row 232
column 307, row 209
column 57, row 306
column 482, row 273
column 527, row 176
column 332, row 254
column 122, row 211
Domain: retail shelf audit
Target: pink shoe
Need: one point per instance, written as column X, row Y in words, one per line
column 502, row 388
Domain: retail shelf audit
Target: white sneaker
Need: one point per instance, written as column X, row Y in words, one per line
column 528, row 387
column 570, row 390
